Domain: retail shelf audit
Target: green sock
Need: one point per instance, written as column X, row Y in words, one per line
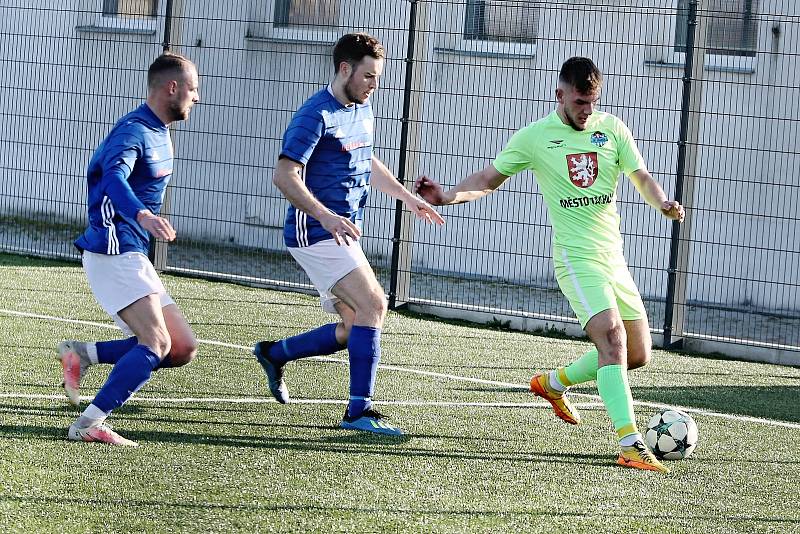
column 584, row 369
column 612, row 383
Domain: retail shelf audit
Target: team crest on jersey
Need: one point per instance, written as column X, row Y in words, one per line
column 582, row 168
column 599, row 139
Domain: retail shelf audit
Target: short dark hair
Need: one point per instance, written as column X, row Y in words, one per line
column 354, row 46
column 166, row 65
column 581, row 73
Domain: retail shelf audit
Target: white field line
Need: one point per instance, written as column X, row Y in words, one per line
column 265, row 400
column 596, row 401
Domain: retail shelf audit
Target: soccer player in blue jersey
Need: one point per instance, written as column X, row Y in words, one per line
column 325, row 169
column 127, row 177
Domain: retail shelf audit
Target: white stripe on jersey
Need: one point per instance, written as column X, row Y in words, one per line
column 107, row 209
column 301, row 225
column 301, row 230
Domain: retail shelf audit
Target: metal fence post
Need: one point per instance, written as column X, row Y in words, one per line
column 166, row 44
column 159, row 248
column 403, row 235
column 686, row 173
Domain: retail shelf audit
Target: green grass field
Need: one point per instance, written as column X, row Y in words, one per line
column 481, row 454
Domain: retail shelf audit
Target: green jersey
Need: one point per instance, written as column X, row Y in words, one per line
column 577, row 172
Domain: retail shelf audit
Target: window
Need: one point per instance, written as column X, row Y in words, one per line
column 732, row 27
column 130, row 9
column 318, row 13
column 513, row 21
column 310, row 21
column 123, row 16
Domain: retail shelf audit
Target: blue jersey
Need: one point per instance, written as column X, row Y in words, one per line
column 128, row 172
column 333, row 142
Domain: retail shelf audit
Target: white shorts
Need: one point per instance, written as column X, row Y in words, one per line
column 117, row 281
column 326, row 263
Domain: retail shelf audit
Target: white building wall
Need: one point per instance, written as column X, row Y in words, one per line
column 63, row 95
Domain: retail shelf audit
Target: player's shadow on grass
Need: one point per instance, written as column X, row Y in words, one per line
column 361, row 444
column 256, row 425
column 64, row 410
column 355, row 444
column 45, row 433
column 767, row 402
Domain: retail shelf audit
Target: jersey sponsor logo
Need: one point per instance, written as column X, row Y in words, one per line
column 556, row 143
column 599, row 139
column 577, row 202
column 348, row 147
column 582, row 168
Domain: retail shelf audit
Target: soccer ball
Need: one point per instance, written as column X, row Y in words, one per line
column 671, row 434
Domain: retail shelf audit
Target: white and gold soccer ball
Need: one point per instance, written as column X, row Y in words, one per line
column 671, row 434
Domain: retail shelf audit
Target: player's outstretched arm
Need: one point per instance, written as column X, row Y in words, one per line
column 384, row 181
column 287, row 178
column 653, row 194
column 472, row 187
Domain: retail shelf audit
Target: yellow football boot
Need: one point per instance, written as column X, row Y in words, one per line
column 540, row 386
column 640, row 457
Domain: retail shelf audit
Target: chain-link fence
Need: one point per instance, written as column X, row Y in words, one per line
column 707, row 87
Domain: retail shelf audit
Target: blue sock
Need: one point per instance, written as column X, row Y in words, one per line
column 364, row 346
column 165, row 363
column 317, row 342
column 112, row 351
column 129, row 374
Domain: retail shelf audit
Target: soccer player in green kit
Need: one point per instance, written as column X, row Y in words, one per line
column 577, row 155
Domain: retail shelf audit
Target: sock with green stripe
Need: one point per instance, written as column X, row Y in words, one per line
column 612, row 384
column 584, row 369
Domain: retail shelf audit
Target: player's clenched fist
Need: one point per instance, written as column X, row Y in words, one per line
column 672, row 209
column 430, row 190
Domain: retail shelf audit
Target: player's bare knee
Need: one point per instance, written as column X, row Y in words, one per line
column 639, row 358
column 184, row 352
column 377, row 306
column 615, row 348
column 616, row 337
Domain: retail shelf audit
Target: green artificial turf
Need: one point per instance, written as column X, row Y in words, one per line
column 480, row 454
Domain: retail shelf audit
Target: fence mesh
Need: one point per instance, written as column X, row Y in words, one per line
column 460, row 79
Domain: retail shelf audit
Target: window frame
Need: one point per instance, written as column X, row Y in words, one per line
column 263, row 26
column 736, row 63
column 145, row 23
column 486, row 46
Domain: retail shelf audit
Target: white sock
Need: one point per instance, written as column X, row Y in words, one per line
column 91, row 416
column 555, row 383
column 630, row 439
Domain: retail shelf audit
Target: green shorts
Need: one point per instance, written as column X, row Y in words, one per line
column 597, row 282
